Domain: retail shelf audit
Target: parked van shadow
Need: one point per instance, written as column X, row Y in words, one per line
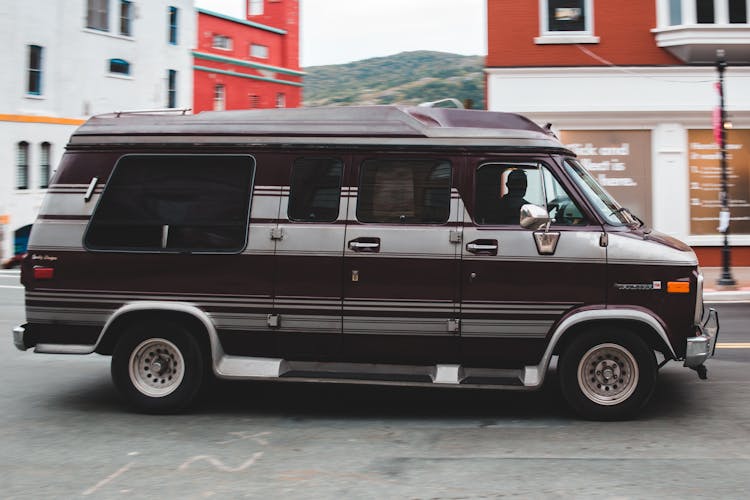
column 364, row 401
column 304, row 401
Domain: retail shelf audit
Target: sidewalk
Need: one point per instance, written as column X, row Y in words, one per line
column 712, row 292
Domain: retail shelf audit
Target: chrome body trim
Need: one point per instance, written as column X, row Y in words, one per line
column 19, row 337
column 90, row 189
column 699, row 298
column 701, row 347
column 447, row 376
column 64, row 349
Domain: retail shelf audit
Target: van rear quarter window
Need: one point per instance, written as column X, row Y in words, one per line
column 174, row 203
column 404, row 191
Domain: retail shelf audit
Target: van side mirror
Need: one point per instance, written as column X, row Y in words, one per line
column 534, row 217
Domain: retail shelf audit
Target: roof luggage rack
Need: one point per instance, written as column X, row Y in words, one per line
column 182, row 111
column 433, row 104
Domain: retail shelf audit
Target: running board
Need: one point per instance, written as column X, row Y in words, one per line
column 250, row 368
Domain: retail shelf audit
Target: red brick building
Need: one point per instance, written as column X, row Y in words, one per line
column 248, row 63
column 629, row 85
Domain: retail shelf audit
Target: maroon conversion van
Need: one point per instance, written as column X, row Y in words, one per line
column 387, row 245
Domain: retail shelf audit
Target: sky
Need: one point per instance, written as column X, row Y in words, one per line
column 341, row 31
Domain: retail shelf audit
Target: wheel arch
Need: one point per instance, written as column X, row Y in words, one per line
column 639, row 322
column 192, row 318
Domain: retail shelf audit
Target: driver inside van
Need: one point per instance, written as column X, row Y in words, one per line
column 509, row 206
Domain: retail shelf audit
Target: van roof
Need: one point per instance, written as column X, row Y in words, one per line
column 330, row 125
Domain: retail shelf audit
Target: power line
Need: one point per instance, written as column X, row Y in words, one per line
column 602, row 60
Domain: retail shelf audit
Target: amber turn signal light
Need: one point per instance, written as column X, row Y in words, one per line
column 678, row 287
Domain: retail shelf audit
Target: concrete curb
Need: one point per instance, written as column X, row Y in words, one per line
column 728, row 296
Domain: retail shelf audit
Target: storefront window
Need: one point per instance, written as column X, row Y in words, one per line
column 704, row 161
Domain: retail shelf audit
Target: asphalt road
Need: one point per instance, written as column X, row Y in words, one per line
column 65, row 434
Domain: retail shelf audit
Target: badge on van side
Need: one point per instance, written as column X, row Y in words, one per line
column 654, row 285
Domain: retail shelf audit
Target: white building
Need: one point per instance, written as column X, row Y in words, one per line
column 65, row 60
column 631, row 87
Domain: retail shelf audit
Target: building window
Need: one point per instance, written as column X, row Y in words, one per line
column 738, row 11
column 119, row 66
column 173, row 25
column 222, row 42
column 22, row 165
column 219, row 98
column 126, row 17
column 44, row 164
column 704, row 11
column 675, row 12
column 97, row 17
column 255, row 7
column 34, row 85
column 567, row 16
column 174, row 203
column 257, row 50
column 688, row 12
column 281, row 100
column 404, row 191
column 315, row 190
column 171, row 88
column 254, row 101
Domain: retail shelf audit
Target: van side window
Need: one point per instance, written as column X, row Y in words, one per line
column 502, row 189
column 174, row 203
column 404, row 191
column 315, row 191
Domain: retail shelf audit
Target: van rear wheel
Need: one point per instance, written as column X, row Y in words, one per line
column 608, row 374
column 158, row 367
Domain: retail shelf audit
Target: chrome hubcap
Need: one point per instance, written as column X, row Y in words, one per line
column 156, row 367
column 608, row 374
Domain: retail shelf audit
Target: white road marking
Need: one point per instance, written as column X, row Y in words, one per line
column 257, row 437
column 109, row 478
column 218, row 463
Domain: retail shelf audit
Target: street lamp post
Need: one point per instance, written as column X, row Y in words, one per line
column 726, row 275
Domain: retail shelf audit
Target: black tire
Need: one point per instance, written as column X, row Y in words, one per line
column 607, row 374
column 158, row 367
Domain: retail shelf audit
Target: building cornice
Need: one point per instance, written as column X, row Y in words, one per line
column 686, row 71
column 242, row 21
column 245, row 75
column 247, row 64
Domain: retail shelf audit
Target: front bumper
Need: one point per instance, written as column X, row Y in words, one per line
column 702, row 346
column 19, row 337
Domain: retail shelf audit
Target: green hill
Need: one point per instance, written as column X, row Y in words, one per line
column 406, row 78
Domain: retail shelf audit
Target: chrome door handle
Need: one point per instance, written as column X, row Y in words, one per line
column 482, row 247
column 365, row 245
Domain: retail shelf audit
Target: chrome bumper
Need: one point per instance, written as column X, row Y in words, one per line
column 19, row 337
column 702, row 346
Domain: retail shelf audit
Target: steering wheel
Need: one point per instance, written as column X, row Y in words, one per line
column 560, row 206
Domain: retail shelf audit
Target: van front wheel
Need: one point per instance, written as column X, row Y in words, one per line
column 158, row 367
column 607, row 375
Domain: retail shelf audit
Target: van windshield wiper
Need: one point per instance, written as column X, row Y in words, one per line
column 634, row 218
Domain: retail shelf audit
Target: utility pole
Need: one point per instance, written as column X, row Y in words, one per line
column 726, row 275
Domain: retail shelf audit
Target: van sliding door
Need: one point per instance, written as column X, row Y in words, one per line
column 309, row 238
column 401, row 260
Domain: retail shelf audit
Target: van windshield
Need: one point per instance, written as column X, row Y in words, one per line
column 607, row 207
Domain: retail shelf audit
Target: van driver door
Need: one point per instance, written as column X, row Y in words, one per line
column 515, row 282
